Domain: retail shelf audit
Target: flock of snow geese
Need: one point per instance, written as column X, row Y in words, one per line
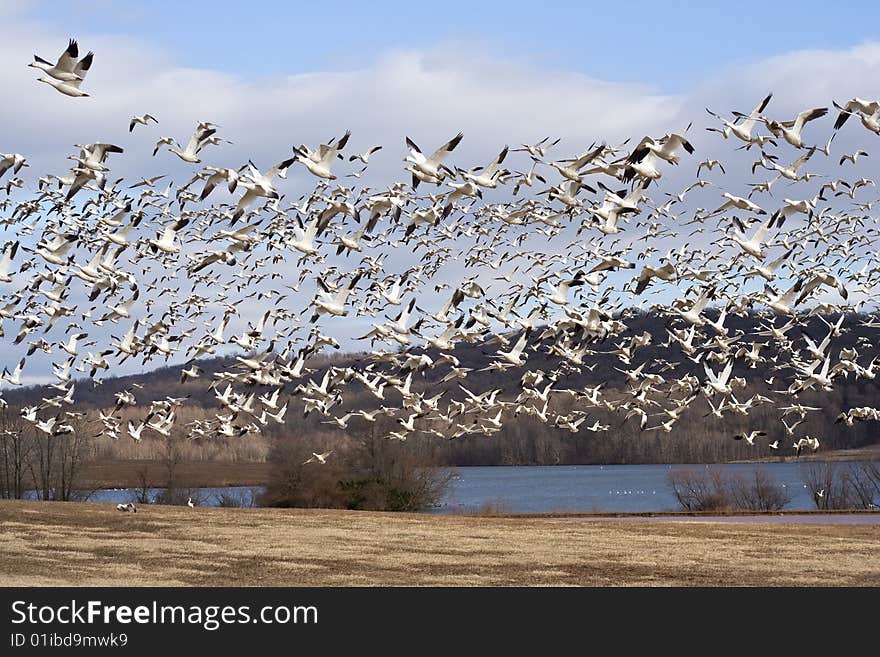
column 427, row 263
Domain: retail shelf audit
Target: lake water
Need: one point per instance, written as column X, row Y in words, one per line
column 550, row 489
column 593, row 488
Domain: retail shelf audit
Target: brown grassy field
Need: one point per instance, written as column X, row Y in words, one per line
column 93, row 544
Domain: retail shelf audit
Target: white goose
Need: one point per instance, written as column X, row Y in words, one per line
column 63, row 68
column 197, row 141
column 319, row 162
column 791, row 130
column 6, row 262
column 333, row 304
column 71, row 87
column 429, row 169
column 141, row 120
column 743, row 130
column 167, row 243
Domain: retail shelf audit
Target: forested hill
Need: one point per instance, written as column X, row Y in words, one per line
column 696, row 436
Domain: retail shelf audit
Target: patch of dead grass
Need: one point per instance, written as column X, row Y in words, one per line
column 93, row 544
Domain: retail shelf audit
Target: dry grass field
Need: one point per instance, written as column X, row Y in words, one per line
column 93, row 544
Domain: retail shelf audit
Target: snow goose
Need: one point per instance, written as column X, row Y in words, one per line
column 754, row 246
column 365, row 157
column 167, row 243
column 429, row 169
column 71, row 87
column 6, row 263
column 333, row 304
column 743, row 130
column 791, row 130
column 196, row 142
column 14, row 161
column 318, row 458
column 63, row 68
column 319, row 162
column 867, row 111
column 488, row 176
column 141, row 120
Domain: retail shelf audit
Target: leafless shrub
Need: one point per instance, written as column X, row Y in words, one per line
column 711, row 489
column 843, row 485
column 699, row 490
column 143, row 492
column 237, row 500
column 756, row 491
column 366, row 471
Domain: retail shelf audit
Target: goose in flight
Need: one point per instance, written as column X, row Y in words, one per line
column 72, row 87
column 642, row 162
column 365, row 157
column 805, row 443
column 9, row 252
column 141, row 120
column 739, row 203
column 333, row 304
column 430, row 169
column 559, row 293
column 710, row 164
column 318, row 458
column 167, row 243
column 783, row 303
column 319, row 162
column 538, row 150
column 768, row 271
column 516, row 356
column 665, row 273
column 852, row 157
column 791, row 171
column 743, row 131
column 867, row 111
column 754, row 246
column 791, row 130
column 750, row 436
column 164, row 141
column 216, row 175
column 694, row 313
column 571, row 169
column 199, row 140
column 63, row 68
column 488, row 176
column 14, row 377
column 719, row 382
column 93, row 156
column 14, row 161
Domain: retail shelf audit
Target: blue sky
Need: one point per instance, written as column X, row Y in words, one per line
column 668, row 44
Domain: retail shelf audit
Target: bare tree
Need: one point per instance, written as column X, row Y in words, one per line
column 699, row 490
column 757, row 492
column 56, row 462
column 16, row 447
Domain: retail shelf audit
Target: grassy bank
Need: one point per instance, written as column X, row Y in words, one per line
column 93, row 544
